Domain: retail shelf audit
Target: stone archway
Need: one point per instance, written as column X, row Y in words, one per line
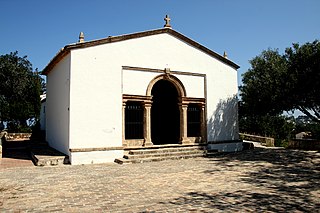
column 165, row 113
column 180, row 90
column 175, row 81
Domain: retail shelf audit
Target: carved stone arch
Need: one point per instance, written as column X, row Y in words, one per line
column 174, row 80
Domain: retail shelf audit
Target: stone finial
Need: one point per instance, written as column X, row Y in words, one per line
column 167, row 71
column 167, row 20
column 81, row 37
column 225, row 54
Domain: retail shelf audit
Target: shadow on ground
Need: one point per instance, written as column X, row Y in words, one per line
column 280, row 180
column 16, row 150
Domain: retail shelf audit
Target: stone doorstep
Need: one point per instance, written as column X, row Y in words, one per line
column 154, row 159
column 164, row 150
column 47, row 156
column 41, row 160
column 56, row 161
column 162, row 146
column 163, row 154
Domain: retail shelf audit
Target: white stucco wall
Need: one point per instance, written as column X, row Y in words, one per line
column 98, row 82
column 226, row 147
column 135, row 82
column 57, row 106
column 222, row 104
column 43, row 116
column 95, row 100
column 98, row 78
column 194, row 85
column 78, row 158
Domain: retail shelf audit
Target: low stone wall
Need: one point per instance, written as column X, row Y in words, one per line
column 8, row 137
column 266, row 141
column 17, row 136
column 304, row 144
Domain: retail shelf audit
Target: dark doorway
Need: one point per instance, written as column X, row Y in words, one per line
column 165, row 115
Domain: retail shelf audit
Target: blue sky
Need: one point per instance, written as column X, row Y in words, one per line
column 243, row 29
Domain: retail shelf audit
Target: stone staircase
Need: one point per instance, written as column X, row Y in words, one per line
column 161, row 153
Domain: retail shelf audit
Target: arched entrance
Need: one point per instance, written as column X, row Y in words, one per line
column 165, row 114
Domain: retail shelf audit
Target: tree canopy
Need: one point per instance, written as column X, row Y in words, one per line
column 20, row 90
column 304, row 72
column 283, row 82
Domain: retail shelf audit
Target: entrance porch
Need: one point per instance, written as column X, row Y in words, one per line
column 165, row 115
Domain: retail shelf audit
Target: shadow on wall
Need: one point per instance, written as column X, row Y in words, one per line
column 223, row 124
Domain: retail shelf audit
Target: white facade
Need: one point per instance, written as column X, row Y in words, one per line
column 43, row 112
column 86, row 82
column 57, row 106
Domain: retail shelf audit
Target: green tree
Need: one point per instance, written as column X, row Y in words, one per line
column 281, row 82
column 304, row 74
column 20, row 89
column 263, row 85
column 277, row 83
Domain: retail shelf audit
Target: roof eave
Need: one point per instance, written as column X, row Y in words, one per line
column 204, row 49
column 111, row 39
column 58, row 57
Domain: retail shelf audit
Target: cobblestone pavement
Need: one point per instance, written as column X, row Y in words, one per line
column 267, row 180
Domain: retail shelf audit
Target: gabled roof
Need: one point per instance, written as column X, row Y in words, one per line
column 111, row 39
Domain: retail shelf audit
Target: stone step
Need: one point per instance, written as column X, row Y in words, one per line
column 48, row 161
column 165, row 150
column 47, row 156
column 153, row 159
column 141, row 155
column 163, row 154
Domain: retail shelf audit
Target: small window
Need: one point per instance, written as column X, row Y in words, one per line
column 194, row 120
column 134, row 120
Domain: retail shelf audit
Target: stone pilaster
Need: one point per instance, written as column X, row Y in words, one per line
column 183, row 124
column 147, row 124
column 203, row 121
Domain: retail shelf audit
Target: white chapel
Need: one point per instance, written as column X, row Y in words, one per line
column 147, row 89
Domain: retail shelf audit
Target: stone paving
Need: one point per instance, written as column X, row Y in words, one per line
column 264, row 180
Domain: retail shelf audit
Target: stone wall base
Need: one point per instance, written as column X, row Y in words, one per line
column 226, row 146
column 91, row 157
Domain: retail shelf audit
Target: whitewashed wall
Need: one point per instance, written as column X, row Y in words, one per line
column 98, row 82
column 135, row 82
column 96, row 87
column 222, row 104
column 78, row 158
column 57, row 106
column 43, row 116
